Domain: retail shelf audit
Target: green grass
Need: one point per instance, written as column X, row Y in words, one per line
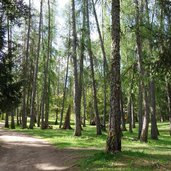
column 154, row 155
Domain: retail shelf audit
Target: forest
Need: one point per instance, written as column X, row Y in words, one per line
column 91, row 78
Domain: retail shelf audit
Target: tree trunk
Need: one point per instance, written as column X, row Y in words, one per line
column 144, row 132
column 154, row 130
column 18, row 117
column 32, row 115
column 140, row 108
column 130, row 101
column 25, row 70
column 82, row 49
column 85, row 106
column 56, row 119
column 76, row 80
column 143, row 122
column 130, row 114
column 105, row 65
column 64, row 92
column 47, row 104
column 6, row 121
column 169, row 102
column 12, row 121
column 67, row 119
column 98, row 130
column 45, row 94
column 122, row 114
column 114, row 137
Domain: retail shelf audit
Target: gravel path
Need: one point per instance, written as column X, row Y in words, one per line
column 20, row 152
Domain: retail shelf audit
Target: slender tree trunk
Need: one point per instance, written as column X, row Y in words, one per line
column 47, row 104
column 140, row 108
column 12, row 121
column 130, row 113
column 143, row 122
column 85, row 106
column 130, row 101
column 82, row 49
column 114, row 136
column 32, row 115
column 105, row 65
column 25, row 70
column 122, row 114
column 154, row 130
column 56, row 119
column 98, row 131
column 64, row 92
column 169, row 101
column 144, row 132
column 67, row 124
column 45, row 96
column 6, row 121
column 18, row 117
column 76, row 80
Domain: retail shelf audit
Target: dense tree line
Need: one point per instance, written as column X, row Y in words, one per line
column 109, row 65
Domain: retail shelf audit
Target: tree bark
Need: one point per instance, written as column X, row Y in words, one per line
column 105, row 66
column 64, row 91
column 45, row 93
column 76, row 80
column 154, row 130
column 67, row 124
column 12, row 121
column 32, row 114
column 144, row 132
column 130, row 101
column 90, row 53
column 130, row 114
column 25, row 70
column 6, row 121
column 114, row 136
column 85, row 106
column 122, row 114
column 169, row 102
column 143, row 121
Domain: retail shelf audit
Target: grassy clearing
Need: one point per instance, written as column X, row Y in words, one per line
column 155, row 155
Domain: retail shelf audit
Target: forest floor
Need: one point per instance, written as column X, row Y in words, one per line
column 30, row 150
column 20, row 152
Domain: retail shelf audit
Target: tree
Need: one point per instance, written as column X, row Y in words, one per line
column 25, row 72
column 32, row 114
column 89, row 47
column 76, row 79
column 114, row 136
column 10, row 83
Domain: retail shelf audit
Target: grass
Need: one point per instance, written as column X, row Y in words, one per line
column 154, row 155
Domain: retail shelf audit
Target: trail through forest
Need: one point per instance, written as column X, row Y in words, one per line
column 22, row 152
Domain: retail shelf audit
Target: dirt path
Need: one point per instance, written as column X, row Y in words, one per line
column 19, row 152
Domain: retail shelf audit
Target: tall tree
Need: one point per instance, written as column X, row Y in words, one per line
column 25, row 72
column 32, row 112
column 76, row 78
column 90, row 53
column 105, row 65
column 114, row 136
column 46, row 81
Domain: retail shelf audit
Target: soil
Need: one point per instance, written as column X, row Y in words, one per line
column 20, row 152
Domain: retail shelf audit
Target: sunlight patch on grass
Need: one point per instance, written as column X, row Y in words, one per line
column 154, row 155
